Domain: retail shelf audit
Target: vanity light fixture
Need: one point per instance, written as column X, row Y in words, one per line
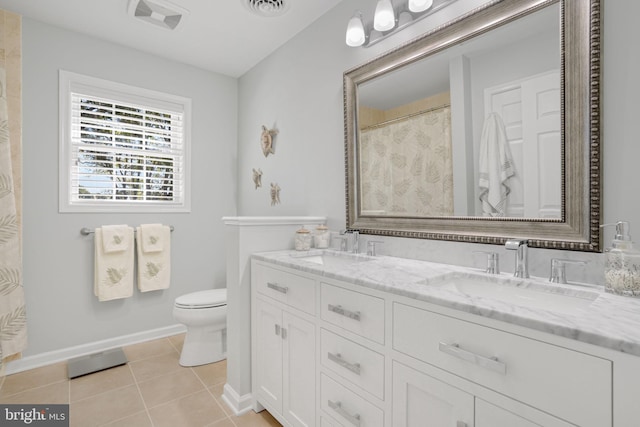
column 385, row 18
column 355, row 31
column 390, row 16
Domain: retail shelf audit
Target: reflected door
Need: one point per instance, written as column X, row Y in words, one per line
column 530, row 110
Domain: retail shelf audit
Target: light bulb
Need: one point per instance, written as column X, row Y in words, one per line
column 355, row 31
column 419, row 5
column 384, row 18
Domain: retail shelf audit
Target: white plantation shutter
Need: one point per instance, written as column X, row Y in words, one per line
column 126, row 149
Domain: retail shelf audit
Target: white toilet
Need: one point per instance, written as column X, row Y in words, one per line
column 205, row 315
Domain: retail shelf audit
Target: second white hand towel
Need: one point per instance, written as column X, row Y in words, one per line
column 154, row 266
column 113, row 277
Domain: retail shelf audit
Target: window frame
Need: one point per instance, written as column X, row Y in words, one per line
column 69, row 83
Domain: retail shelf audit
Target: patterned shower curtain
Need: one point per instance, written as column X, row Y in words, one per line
column 406, row 166
column 13, row 321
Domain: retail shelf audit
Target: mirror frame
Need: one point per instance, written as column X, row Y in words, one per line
column 578, row 229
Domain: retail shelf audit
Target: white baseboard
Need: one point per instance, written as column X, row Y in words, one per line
column 239, row 404
column 43, row 359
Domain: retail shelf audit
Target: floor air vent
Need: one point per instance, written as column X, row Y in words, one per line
column 88, row 364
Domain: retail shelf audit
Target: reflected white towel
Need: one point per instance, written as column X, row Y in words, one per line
column 116, row 238
column 495, row 167
column 154, row 268
column 151, row 237
column 113, row 277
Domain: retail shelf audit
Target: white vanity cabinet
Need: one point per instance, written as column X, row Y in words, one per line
column 283, row 348
column 353, row 356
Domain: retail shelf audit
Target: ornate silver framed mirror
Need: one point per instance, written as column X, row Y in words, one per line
column 483, row 129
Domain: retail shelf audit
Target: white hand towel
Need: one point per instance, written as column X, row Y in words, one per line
column 116, row 238
column 113, row 278
column 151, row 237
column 154, row 268
column 495, row 167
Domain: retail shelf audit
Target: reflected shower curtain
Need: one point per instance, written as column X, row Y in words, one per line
column 13, row 321
column 406, row 166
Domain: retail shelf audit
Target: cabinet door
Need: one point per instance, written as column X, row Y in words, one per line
column 299, row 342
column 423, row 401
column 489, row 415
column 268, row 353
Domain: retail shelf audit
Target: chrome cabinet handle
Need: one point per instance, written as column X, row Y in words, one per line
column 277, row 329
column 337, row 358
column 491, row 363
column 337, row 406
column 284, row 334
column 276, row 287
column 355, row 315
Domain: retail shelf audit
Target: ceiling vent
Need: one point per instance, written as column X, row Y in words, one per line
column 268, row 8
column 158, row 12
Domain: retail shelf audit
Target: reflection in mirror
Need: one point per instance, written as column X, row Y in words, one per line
column 473, row 130
column 483, row 129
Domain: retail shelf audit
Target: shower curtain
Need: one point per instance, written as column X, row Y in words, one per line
column 13, row 327
column 406, row 166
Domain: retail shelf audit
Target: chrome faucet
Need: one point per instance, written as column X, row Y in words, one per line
column 355, row 244
column 521, row 248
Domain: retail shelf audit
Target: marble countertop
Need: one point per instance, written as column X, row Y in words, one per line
column 600, row 318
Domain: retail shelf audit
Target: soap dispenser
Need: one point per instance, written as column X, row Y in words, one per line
column 622, row 263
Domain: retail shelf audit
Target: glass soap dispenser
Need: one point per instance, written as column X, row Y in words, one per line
column 622, row 263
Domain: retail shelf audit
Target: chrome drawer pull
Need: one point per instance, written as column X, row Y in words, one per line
column 355, row 315
column 353, row 367
column 284, row 334
column 491, row 363
column 276, row 287
column 337, row 406
column 277, row 329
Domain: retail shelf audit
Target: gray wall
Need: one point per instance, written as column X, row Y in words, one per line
column 299, row 89
column 58, row 261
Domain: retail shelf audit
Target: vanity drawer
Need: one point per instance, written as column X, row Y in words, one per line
column 346, row 407
column 353, row 311
column 568, row 384
column 357, row 364
column 292, row 289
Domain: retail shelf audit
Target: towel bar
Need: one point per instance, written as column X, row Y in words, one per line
column 86, row 231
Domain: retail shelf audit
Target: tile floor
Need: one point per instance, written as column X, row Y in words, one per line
column 152, row 390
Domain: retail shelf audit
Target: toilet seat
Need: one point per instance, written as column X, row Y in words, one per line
column 203, row 299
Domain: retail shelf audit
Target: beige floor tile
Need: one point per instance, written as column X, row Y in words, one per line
column 226, row 422
column 251, row 419
column 168, row 387
column 148, row 349
column 217, row 391
column 141, row 419
column 152, row 367
column 212, row 373
column 100, row 382
column 177, row 341
column 195, row 410
column 57, row 393
column 106, row 407
column 33, row 378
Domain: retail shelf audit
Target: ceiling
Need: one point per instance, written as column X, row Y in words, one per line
column 222, row 36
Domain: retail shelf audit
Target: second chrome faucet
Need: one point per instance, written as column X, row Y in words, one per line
column 521, row 247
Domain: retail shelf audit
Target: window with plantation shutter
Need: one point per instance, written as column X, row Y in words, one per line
column 123, row 149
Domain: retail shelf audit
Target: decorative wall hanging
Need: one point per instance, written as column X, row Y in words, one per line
column 275, row 194
column 266, row 140
column 257, row 178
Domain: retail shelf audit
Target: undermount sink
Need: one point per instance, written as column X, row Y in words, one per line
column 329, row 258
column 523, row 294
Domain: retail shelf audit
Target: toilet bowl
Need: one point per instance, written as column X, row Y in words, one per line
column 205, row 315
